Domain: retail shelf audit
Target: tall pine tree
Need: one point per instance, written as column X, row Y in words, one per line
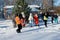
column 21, row 6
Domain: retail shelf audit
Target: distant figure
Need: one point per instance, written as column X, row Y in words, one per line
column 52, row 18
column 36, row 20
column 40, row 15
column 45, row 19
column 14, row 22
column 30, row 19
column 56, row 18
column 19, row 23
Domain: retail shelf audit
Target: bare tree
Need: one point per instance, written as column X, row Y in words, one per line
column 48, row 4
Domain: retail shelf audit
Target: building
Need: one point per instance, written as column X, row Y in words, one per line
column 8, row 11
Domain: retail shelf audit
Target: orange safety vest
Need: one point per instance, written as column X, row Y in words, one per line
column 18, row 21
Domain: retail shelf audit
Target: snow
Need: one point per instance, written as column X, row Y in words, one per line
column 11, row 6
column 33, row 6
column 7, row 32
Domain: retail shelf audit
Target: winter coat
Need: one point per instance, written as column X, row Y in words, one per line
column 56, row 19
column 30, row 18
column 36, row 19
column 23, row 22
column 17, row 19
column 56, row 16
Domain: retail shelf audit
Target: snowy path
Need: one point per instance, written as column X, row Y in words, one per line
column 7, row 32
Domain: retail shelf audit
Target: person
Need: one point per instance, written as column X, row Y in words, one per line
column 56, row 18
column 52, row 18
column 19, row 23
column 23, row 19
column 30, row 19
column 23, row 22
column 45, row 19
column 14, row 22
column 36, row 20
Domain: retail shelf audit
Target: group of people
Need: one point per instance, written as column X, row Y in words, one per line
column 34, row 19
column 44, row 17
column 20, row 20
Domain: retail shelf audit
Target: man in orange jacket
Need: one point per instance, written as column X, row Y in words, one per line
column 19, row 23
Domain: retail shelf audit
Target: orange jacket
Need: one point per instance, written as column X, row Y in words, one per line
column 18, row 21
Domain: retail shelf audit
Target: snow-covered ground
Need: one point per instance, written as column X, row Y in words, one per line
column 7, row 32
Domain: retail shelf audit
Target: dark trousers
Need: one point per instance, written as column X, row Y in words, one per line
column 45, row 21
column 52, row 20
column 19, row 28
